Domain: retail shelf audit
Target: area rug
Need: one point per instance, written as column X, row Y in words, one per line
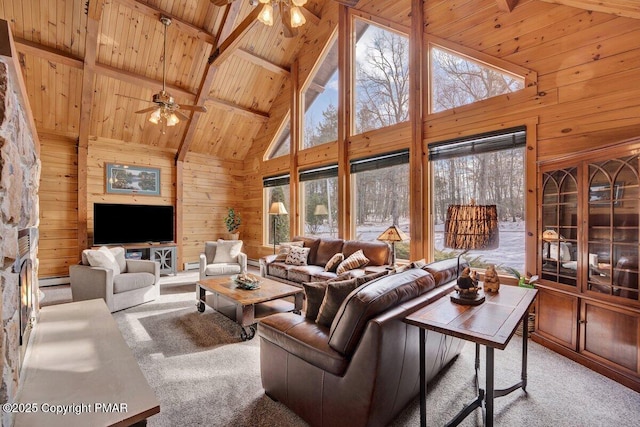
column 204, row 375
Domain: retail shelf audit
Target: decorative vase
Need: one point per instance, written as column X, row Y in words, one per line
column 234, row 236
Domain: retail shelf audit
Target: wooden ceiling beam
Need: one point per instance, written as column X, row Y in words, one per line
column 140, row 80
column 222, row 52
column 50, row 54
column 180, row 24
column 247, row 112
column 626, row 8
column 261, row 62
column 506, row 5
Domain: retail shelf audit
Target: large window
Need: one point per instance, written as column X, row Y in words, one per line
column 319, row 201
column 459, row 80
column 381, row 196
column 489, row 169
column 276, row 189
column 320, row 100
column 381, row 77
column 281, row 145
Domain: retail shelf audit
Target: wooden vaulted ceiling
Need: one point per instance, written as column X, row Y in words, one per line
column 79, row 56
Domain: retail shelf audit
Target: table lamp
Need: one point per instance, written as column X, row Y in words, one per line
column 276, row 209
column 392, row 235
column 470, row 227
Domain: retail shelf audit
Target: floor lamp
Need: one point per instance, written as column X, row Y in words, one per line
column 276, row 209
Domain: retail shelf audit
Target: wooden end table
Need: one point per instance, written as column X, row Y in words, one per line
column 241, row 305
column 491, row 324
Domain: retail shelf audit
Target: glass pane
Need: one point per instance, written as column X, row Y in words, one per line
column 459, row 180
column 277, row 225
column 458, row 80
column 381, row 199
column 320, row 100
column 381, row 77
column 282, row 144
column 319, row 205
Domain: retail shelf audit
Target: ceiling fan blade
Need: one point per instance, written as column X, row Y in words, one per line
column 201, row 109
column 180, row 115
column 221, row 2
column 146, row 110
column 133, row 97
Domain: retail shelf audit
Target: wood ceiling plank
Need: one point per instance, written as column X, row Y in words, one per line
column 626, row 8
column 506, row 5
column 182, row 25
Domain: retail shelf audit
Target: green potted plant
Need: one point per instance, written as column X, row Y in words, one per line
column 232, row 221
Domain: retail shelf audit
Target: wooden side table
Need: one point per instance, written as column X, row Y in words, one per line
column 491, row 324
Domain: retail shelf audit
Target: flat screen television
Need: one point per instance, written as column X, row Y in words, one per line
column 123, row 223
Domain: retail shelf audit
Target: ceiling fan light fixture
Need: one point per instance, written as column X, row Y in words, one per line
column 155, row 117
column 172, row 119
column 266, row 15
column 299, row 3
column 297, row 18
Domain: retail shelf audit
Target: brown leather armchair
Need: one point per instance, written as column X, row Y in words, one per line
column 364, row 369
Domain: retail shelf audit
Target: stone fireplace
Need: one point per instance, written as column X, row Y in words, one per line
column 19, row 218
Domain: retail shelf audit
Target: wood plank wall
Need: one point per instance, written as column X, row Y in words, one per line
column 58, row 248
column 587, row 94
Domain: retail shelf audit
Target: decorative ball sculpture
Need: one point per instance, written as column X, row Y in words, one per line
column 491, row 280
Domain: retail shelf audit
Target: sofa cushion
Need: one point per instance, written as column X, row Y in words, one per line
column 353, row 261
column 334, row 262
column 278, row 269
column 222, row 269
column 377, row 252
column 227, row 251
column 303, row 273
column 131, row 281
column 312, row 243
column 118, row 254
column 334, row 294
column 323, row 276
column 284, row 248
column 297, row 256
column 314, row 294
column 445, row 271
column 102, row 258
column 371, row 299
column 327, row 248
column 303, row 338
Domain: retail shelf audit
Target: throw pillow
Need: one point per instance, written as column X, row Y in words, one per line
column 285, row 247
column 297, row 256
column 103, row 258
column 227, row 251
column 361, row 280
column 355, row 260
column 334, row 262
column 314, row 294
column 335, row 293
column 118, row 254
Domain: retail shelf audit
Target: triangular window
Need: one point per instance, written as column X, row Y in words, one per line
column 458, row 80
column 281, row 145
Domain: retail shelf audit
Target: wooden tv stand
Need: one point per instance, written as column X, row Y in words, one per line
column 79, row 362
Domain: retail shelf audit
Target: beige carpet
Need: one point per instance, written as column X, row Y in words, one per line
column 204, row 375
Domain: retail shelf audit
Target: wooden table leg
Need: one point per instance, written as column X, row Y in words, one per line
column 423, row 380
column 298, row 302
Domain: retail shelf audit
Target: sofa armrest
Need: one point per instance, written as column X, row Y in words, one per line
column 264, row 261
column 144, row 266
column 242, row 260
column 90, row 283
column 202, row 265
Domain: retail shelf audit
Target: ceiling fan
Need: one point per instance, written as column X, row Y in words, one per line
column 292, row 13
column 166, row 111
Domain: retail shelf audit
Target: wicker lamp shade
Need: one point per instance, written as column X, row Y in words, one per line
column 471, row 227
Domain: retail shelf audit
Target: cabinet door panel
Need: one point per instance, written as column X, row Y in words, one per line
column 611, row 334
column 556, row 317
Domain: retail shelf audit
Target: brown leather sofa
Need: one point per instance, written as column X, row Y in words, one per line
column 321, row 251
column 364, row 369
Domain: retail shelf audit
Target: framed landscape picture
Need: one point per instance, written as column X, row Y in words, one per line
column 131, row 179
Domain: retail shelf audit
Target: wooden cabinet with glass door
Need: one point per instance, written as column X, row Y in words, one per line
column 588, row 307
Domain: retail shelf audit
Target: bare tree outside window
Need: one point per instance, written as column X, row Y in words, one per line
column 382, row 78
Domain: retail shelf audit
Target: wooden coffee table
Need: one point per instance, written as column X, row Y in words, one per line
column 245, row 306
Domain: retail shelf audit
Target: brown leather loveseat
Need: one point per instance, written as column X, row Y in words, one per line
column 321, row 251
column 364, row 369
